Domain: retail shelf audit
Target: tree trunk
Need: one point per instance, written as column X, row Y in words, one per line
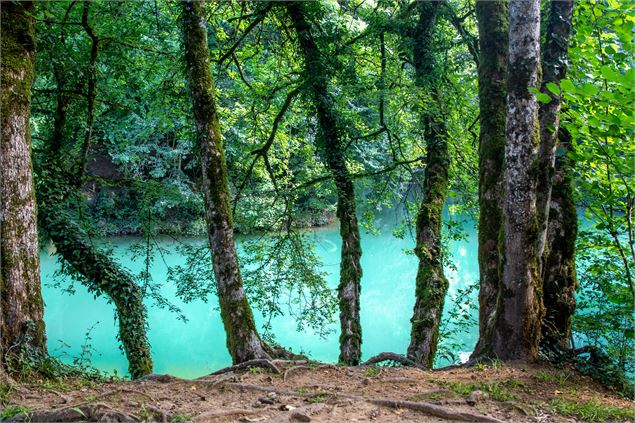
column 243, row 340
column 21, row 306
column 101, row 275
column 431, row 283
column 554, row 67
column 93, row 268
column 493, row 25
column 331, row 150
column 516, row 331
column 560, row 279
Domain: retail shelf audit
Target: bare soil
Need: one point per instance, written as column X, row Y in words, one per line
column 324, row 393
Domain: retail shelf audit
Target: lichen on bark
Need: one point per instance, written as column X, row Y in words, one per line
column 516, row 328
column 21, row 305
column 243, row 341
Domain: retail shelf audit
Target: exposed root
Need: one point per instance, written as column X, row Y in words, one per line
column 65, row 399
column 153, row 377
column 389, row 356
column 210, row 415
column 164, row 415
column 291, row 370
column 126, row 390
column 260, row 362
column 279, row 361
column 424, row 407
column 74, row 413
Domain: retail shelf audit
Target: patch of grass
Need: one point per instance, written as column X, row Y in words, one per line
column 496, row 390
column 302, row 390
column 514, row 383
column 372, row 371
column 6, row 391
column 593, row 410
column 13, row 410
column 178, row 418
column 318, row 398
column 559, row 378
column 256, row 370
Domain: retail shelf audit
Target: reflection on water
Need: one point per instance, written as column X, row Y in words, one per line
column 197, row 347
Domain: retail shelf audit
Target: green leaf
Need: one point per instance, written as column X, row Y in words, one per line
column 541, row 97
column 553, row 88
column 567, row 86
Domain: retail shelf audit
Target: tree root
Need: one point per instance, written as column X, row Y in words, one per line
column 259, row 362
column 74, row 413
column 389, row 356
column 424, row 407
column 211, row 415
column 291, row 370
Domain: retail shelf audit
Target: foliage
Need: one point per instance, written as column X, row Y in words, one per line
column 600, row 116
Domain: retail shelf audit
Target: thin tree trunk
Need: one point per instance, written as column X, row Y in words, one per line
column 560, row 279
column 21, row 306
column 516, row 331
column 93, row 268
column 330, row 149
column 243, row 340
column 431, row 283
column 493, row 27
column 554, row 67
column 103, row 276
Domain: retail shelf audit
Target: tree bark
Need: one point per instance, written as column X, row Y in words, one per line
column 243, row 340
column 21, row 305
column 516, row 331
column 330, row 149
column 554, row 67
column 431, row 283
column 560, row 279
column 493, row 25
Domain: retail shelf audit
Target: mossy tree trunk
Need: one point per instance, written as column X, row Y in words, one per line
column 21, row 306
column 102, row 276
column 554, row 67
column 516, row 328
column 559, row 271
column 93, row 268
column 493, row 28
column 243, row 340
column 330, row 149
column 431, row 283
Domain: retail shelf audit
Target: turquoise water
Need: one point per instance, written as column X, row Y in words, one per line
column 197, row 347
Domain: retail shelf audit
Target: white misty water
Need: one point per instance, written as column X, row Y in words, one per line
column 198, row 347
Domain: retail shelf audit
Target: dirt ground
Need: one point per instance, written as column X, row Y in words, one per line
column 303, row 392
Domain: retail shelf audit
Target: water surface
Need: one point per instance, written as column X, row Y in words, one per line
column 197, row 347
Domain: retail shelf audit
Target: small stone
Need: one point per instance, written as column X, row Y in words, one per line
column 366, row 381
column 476, row 397
column 272, row 395
column 286, row 407
column 300, row 417
column 265, row 401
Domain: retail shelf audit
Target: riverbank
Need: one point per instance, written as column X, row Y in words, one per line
column 327, row 393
